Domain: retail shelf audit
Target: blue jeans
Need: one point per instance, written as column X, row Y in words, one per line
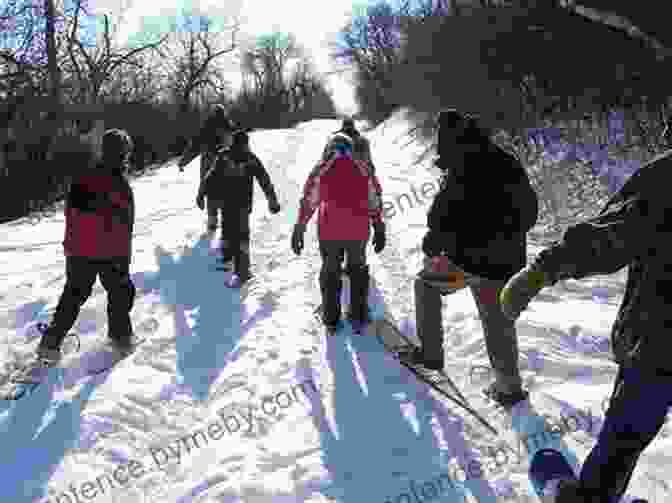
column 499, row 332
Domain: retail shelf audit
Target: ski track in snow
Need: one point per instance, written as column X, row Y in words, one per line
column 211, row 357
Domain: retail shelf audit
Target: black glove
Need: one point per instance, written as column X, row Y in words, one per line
column 297, row 238
column 274, row 207
column 200, row 202
column 378, row 237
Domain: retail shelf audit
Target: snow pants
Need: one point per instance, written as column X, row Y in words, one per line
column 636, row 413
column 500, row 334
column 215, row 210
column 80, row 276
column 236, row 237
column 333, row 253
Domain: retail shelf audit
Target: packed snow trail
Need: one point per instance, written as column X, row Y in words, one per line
column 244, row 400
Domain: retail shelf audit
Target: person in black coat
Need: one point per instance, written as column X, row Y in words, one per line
column 215, row 134
column 477, row 228
column 633, row 229
column 229, row 185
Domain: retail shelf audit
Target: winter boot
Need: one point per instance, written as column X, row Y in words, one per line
column 225, row 251
column 49, row 349
column 417, row 357
column 359, row 297
column 123, row 344
column 506, row 399
column 241, row 265
column 331, row 284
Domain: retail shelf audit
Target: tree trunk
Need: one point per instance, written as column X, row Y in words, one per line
column 54, row 75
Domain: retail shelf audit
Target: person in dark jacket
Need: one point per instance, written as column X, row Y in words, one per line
column 348, row 198
column 214, row 134
column 633, row 229
column 99, row 219
column 477, row 228
column 229, row 185
column 212, row 137
column 361, row 147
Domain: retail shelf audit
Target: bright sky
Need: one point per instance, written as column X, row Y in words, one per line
column 313, row 24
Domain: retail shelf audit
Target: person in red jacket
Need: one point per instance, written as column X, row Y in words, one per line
column 348, row 198
column 99, row 217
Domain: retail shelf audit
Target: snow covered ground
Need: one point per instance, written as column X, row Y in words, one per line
column 243, row 400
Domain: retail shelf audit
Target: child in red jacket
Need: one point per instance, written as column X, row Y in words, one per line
column 348, row 198
column 99, row 217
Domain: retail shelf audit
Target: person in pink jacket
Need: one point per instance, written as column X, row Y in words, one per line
column 348, row 198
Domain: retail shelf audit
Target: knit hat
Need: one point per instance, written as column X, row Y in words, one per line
column 450, row 118
column 457, row 126
column 340, row 139
column 117, row 146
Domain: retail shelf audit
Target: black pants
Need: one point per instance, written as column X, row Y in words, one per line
column 636, row 414
column 81, row 274
column 236, row 236
column 333, row 254
column 215, row 210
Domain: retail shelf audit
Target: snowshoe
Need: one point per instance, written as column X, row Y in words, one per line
column 31, row 372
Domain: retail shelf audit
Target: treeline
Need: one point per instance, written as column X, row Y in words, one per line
column 519, row 66
column 63, row 82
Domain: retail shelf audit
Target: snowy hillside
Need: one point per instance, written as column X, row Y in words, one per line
column 244, row 400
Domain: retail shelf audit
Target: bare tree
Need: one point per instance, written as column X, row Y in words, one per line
column 192, row 66
column 267, row 64
column 94, row 66
column 280, row 84
column 372, row 44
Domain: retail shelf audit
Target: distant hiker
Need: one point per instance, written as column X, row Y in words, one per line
column 361, row 146
column 99, row 218
column 633, row 229
column 348, row 198
column 229, row 186
column 477, row 225
column 213, row 136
